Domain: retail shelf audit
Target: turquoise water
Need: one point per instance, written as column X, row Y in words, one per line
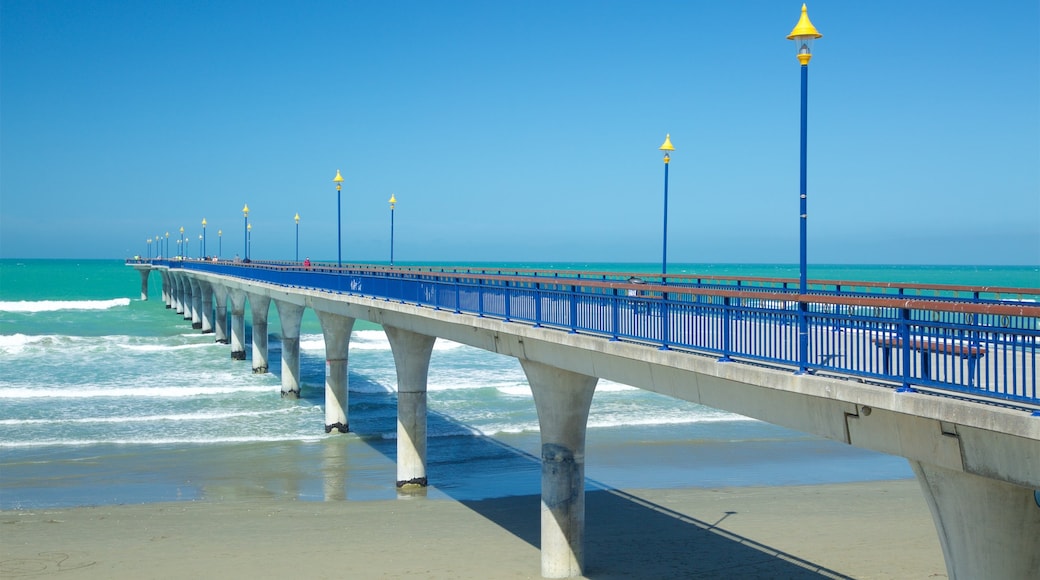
column 105, row 398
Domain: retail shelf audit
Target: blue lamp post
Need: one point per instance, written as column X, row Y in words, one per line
column 166, row 252
column 220, row 243
column 667, row 148
column 148, row 248
column 158, row 247
column 393, row 203
column 297, row 218
column 338, row 180
column 249, row 241
column 803, row 35
column 245, row 230
column 203, row 236
column 180, row 244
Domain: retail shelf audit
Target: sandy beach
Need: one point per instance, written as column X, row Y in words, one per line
column 857, row 530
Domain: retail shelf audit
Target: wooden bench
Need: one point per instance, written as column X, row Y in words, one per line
column 926, row 346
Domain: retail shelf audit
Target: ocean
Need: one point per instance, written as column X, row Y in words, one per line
column 108, row 399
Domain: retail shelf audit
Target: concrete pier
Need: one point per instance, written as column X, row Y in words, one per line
column 562, row 399
column 290, row 316
column 987, row 528
column 207, row 307
column 144, row 270
column 187, row 298
column 238, row 325
column 336, row 330
column 259, row 306
column 220, row 328
column 196, row 304
column 164, row 275
column 412, row 358
column 178, row 292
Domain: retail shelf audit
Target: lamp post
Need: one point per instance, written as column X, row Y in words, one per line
column 166, row 252
column 203, row 236
column 245, row 230
column 667, row 148
column 202, row 247
column 180, row 244
column 803, row 35
column 249, row 241
column 148, row 248
column 158, row 247
column 179, row 248
column 393, row 202
column 338, row 180
column 297, row 218
column 220, row 243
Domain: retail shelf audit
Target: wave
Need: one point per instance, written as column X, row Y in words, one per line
column 369, row 340
column 148, row 418
column 55, row 305
column 169, row 441
column 143, row 392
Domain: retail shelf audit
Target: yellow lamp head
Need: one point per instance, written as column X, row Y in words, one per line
column 203, row 223
column 249, row 227
column 393, row 201
column 167, row 235
column 220, row 233
column 245, row 210
column 297, row 218
column 803, row 35
column 338, row 180
column 667, row 147
column 182, row 229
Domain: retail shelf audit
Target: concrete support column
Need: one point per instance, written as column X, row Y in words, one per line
column 412, row 357
column 207, row 307
column 238, row 325
column 336, row 330
column 144, row 271
column 290, row 315
column 562, row 399
column 187, row 300
column 178, row 293
column 220, row 328
column 987, row 528
column 196, row 303
column 259, row 306
column 165, row 276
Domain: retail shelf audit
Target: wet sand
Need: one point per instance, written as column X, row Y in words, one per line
column 858, row 530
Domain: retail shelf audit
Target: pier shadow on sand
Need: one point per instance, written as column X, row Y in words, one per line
column 625, row 536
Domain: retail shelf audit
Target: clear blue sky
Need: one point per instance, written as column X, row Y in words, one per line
column 522, row 130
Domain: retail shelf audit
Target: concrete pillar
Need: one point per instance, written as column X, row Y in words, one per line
column 196, row 303
column 412, row 357
column 987, row 528
column 220, row 328
column 178, row 293
column 238, row 325
column 207, row 307
column 562, row 399
column 144, row 271
column 336, row 330
column 259, row 306
column 165, row 276
column 186, row 297
column 290, row 316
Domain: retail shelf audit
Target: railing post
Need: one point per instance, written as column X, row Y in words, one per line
column 505, row 299
column 537, row 304
column 480, row 297
column 726, row 345
column 906, row 351
column 615, row 317
column 803, row 335
column 664, row 321
column 458, row 297
column 574, row 309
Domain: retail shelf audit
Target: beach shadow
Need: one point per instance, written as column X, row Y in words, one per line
column 625, row 536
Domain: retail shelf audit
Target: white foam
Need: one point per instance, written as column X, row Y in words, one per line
column 170, row 441
column 151, row 392
column 55, row 305
column 149, row 418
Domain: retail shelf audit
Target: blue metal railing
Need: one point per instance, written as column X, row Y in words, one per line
column 973, row 346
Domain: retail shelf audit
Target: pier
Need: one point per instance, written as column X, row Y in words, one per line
column 943, row 376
